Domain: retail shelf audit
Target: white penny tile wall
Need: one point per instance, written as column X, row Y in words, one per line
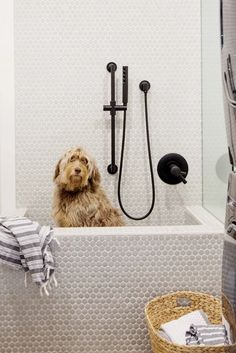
column 104, row 283
column 61, row 51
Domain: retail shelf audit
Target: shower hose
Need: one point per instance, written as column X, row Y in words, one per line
column 150, row 166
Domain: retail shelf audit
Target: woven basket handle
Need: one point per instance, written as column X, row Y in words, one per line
column 183, row 302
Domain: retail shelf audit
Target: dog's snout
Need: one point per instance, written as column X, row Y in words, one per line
column 77, row 170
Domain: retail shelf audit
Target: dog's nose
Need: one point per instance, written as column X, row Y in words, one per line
column 77, row 170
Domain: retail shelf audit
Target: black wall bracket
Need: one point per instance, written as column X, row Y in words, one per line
column 113, row 108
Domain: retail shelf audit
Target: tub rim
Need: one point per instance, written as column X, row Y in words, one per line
column 207, row 224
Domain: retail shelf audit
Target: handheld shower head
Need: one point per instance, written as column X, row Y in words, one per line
column 125, row 85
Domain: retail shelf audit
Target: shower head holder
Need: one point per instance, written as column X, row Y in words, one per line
column 145, row 86
column 111, row 66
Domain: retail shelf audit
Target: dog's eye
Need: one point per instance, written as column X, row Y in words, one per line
column 72, row 159
column 84, row 160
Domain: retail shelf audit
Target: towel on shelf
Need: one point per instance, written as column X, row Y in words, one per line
column 177, row 329
column 24, row 244
column 207, row 335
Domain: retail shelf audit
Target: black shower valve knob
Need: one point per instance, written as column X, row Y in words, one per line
column 173, row 169
column 178, row 173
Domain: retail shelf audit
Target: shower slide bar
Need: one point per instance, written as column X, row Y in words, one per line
column 113, row 108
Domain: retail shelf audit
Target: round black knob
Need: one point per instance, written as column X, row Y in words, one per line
column 173, row 169
column 112, row 169
column 145, row 86
column 111, row 66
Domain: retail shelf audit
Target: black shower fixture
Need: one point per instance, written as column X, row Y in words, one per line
column 125, row 85
column 145, row 86
column 113, row 108
column 173, row 169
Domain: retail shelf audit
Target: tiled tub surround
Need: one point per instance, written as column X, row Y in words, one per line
column 229, row 270
column 106, row 276
column 62, row 48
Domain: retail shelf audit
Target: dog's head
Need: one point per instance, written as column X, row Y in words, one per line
column 76, row 171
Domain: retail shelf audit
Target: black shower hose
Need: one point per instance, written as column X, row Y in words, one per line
column 150, row 165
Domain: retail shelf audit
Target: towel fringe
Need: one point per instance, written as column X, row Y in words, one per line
column 43, row 290
column 54, row 280
column 57, row 242
column 48, row 274
column 49, row 286
column 26, row 279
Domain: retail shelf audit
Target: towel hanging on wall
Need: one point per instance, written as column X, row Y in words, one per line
column 26, row 245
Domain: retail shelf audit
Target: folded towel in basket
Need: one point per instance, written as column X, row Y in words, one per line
column 207, row 335
column 26, row 245
column 177, row 329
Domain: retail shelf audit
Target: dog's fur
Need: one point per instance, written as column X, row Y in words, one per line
column 79, row 200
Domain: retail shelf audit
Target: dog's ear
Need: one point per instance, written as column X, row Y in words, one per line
column 95, row 178
column 57, row 170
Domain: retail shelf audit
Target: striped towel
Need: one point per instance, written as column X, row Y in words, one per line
column 209, row 335
column 26, row 245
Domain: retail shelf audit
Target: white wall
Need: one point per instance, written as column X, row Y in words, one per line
column 7, row 109
column 61, row 50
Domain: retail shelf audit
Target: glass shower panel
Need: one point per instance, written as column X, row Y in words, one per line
column 216, row 166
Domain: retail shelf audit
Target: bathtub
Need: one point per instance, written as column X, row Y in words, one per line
column 105, row 278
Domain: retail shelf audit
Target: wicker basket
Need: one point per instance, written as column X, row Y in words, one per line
column 170, row 307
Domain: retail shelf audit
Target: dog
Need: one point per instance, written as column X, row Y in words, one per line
column 79, row 199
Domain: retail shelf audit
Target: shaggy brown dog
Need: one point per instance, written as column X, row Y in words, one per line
column 79, row 200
